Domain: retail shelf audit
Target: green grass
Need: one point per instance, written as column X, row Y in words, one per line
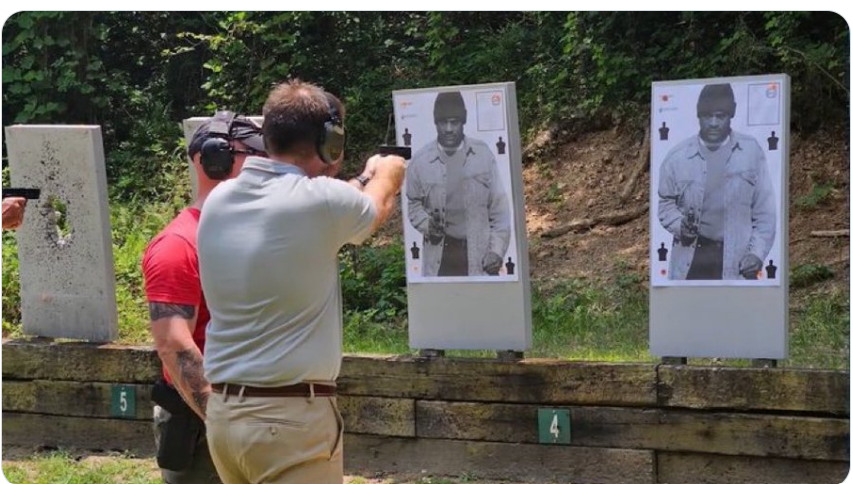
column 363, row 334
column 437, row 480
column 805, row 275
column 62, row 467
column 554, row 194
column 581, row 320
column 571, row 319
column 820, row 330
column 817, row 195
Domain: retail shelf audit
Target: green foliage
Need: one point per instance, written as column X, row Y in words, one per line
column 819, row 193
column 61, row 212
column 373, row 280
column 51, row 67
column 11, row 282
column 609, row 60
column 363, row 334
column 116, row 68
column 11, row 285
column 571, row 318
column 579, row 320
column 820, row 331
column 805, row 275
column 554, row 193
column 436, row 480
column 92, row 67
column 151, row 162
column 810, row 46
column 373, row 284
column 132, row 227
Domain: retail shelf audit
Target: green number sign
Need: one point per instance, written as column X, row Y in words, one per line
column 554, row 426
column 123, row 401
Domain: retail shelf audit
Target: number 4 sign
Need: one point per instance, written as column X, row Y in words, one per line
column 123, row 401
column 554, row 427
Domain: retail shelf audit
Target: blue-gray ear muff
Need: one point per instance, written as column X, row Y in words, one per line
column 330, row 141
column 217, row 158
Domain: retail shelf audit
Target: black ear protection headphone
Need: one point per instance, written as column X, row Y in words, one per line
column 217, row 154
column 330, row 140
column 217, row 157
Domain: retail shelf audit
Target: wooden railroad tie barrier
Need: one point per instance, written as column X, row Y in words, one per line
column 622, row 423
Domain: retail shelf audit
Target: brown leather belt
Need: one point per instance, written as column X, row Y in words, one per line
column 298, row 390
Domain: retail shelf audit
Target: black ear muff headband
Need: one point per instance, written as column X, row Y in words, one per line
column 217, row 158
column 330, row 141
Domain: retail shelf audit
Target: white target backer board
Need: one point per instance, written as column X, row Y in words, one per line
column 65, row 259
column 474, row 310
column 727, row 315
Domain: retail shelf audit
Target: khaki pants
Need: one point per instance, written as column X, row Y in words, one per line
column 275, row 440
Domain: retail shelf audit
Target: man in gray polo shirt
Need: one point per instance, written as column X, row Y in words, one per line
column 268, row 244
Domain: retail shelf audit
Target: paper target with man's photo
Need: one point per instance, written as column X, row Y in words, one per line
column 714, row 201
column 460, row 197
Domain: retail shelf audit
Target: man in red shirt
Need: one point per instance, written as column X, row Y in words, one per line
column 177, row 308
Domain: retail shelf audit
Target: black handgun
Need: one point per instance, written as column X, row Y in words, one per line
column 404, row 152
column 179, row 434
column 168, row 397
column 28, row 193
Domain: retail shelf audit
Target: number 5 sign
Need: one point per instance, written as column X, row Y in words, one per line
column 123, row 401
column 554, row 427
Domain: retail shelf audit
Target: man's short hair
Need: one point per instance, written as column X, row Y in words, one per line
column 716, row 98
column 294, row 115
column 242, row 129
column 449, row 105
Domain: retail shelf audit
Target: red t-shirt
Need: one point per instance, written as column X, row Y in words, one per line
column 170, row 269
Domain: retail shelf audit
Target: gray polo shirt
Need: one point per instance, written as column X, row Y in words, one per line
column 267, row 248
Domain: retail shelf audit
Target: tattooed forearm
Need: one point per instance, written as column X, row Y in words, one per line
column 158, row 310
column 192, row 375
